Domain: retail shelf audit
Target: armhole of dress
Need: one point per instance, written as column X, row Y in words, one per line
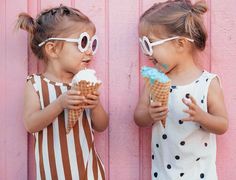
column 32, row 79
column 211, row 77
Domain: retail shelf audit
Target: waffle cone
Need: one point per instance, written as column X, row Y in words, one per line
column 85, row 88
column 160, row 92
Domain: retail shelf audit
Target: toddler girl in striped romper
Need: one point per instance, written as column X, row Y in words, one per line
column 64, row 38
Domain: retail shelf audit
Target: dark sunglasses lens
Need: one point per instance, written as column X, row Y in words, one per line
column 94, row 45
column 84, row 42
column 146, row 45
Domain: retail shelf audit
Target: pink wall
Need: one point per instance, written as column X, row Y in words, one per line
column 125, row 148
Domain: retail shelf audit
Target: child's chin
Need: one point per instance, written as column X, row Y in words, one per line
column 84, row 66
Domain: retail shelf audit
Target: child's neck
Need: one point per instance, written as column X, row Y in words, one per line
column 58, row 75
column 184, row 73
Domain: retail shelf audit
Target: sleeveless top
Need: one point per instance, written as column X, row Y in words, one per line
column 184, row 150
column 59, row 155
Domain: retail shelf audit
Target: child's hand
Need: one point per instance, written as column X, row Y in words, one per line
column 195, row 112
column 71, row 99
column 92, row 100
column 157, row 111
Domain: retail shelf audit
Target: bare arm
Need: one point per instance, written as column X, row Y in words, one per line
column 216, row 120
column 147, row 113
column 36, row 119
column 141, row 114
column 99, row 117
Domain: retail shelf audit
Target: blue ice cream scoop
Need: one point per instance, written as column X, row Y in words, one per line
column 153, row 74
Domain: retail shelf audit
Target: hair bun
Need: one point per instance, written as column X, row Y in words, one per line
column 200, row 7
column 26, row 22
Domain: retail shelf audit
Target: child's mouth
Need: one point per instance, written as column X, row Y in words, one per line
column 86, row 61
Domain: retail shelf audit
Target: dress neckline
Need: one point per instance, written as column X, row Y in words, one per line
column 191, row 83
column 54, row 82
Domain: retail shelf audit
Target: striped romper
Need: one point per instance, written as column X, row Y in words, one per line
column 59, row 155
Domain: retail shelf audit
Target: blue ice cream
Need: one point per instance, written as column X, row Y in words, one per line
column 153, row 74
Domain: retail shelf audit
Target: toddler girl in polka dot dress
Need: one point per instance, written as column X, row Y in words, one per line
column 171, row 34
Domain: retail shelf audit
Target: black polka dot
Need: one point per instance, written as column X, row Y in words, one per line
column 196, row 81
column 187, row 95
column 177, row 157
column 202, row 101
column 164, row 136
column 181, row 174
column 170, row 90
column 201, row 175
column 182, row 143
column 157, row 145
column 168, row 166
column 152, row 156
column 205, row 144
column 155, row 174
column 197, row 159
column 173, row 87
column 206, row 79
column 181, row 122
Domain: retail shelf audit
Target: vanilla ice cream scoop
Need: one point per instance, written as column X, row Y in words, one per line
column 86, row 75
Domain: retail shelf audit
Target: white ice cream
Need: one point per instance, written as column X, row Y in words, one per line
column 87, row 75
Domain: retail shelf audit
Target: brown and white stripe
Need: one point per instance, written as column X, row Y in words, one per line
column 59, row 155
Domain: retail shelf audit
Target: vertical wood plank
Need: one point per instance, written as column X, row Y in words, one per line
column 97, row 12
column 3, row 134
column 13, row 144
column 145, row 133
column 36, row 66
column 223, row 43
column 32, row 68
column 123, row 89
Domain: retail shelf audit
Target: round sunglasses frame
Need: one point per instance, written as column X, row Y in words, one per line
column 89, row 43
column 147, row 46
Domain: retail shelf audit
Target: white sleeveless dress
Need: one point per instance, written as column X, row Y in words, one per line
column 184, row 150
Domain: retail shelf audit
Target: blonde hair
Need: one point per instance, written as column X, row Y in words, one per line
column 177, row 17
column 50, row 23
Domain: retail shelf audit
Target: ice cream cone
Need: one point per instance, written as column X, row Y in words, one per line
column 160, row 92
column 85, row 88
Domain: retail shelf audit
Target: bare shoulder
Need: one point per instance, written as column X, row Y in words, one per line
column 215, row 84
column 216, row 105
column 215, row 89
column 31, row 99
column 29, row 89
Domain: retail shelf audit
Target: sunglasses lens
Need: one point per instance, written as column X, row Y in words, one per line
column 84, row 42
column 94, row 45
column 147, row 46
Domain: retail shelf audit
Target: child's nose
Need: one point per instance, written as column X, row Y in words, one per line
column 89, row 51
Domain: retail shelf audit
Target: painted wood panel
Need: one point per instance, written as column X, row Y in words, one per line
column 124, row 147
column 13, row 68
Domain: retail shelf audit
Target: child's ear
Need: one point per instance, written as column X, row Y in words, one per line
column 51, row 50
column 181, row 43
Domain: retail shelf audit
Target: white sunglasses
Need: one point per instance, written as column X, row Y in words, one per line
column 84, row 42
column 146, row 45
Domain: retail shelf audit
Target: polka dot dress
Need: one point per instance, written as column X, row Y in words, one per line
column 184, row 150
